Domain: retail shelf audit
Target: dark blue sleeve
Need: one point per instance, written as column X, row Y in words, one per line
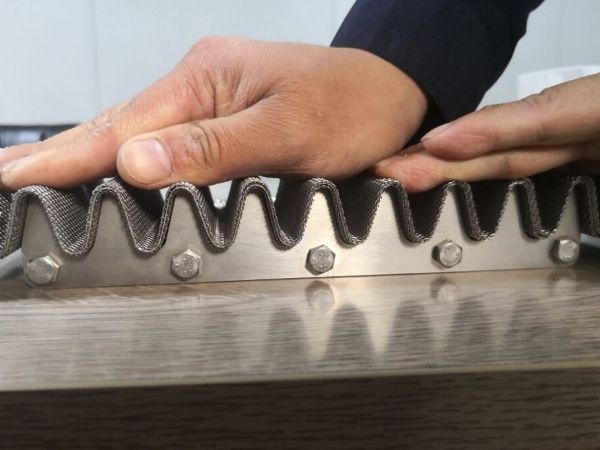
column 453, row 49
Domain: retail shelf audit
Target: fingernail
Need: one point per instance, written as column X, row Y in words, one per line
column 436, row 131
column 9, row 170
column 146, row 161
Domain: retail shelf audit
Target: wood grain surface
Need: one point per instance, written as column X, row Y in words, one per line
column 472, row 360
column 495, row 410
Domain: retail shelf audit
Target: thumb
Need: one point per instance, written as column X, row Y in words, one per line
column 202, row 152
column 88, row 151
column 563, row 114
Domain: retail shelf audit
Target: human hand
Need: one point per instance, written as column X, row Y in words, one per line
column 559, row 126
column 234, row 108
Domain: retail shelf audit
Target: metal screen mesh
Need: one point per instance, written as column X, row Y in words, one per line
column 74, row 214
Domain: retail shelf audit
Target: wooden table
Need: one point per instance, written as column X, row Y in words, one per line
column 475, row 360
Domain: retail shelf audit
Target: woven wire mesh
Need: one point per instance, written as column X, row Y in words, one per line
column 74, row 214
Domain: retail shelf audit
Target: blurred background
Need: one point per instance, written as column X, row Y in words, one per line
column 66, row 60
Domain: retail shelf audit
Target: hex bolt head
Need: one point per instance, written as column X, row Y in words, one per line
column 42, row 271
column 447, row 253
column 320, row 259
column 565, row 251
column 186, row 265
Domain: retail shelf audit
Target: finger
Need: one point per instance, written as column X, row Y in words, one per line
column 420, row 171
column 206, row 152
column 567, row 113
column 21, row 150
column 17, row 151
column 20, row 165
column 89, row 151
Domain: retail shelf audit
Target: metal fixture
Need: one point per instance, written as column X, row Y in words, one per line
column 186, row 265
column 447, row 253
column 128, row 237
column 565, row 251
column 320, row 259
column 42, row 271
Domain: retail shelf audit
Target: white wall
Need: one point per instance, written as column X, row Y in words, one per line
column 65, row 60
column 560, row 33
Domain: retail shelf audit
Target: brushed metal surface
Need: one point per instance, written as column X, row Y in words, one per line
column 254, row 256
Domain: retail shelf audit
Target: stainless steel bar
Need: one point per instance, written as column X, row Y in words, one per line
column 113, row 260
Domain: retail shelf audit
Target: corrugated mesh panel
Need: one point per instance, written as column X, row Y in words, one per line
column 73, row 215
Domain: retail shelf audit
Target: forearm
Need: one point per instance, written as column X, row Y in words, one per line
column 453, row 49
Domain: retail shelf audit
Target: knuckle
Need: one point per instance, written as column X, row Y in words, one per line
column 508, row 167
column 538, row 106
column 210, row 44
column 202, row 149
column 418, row 178
column 201, row 61
column 102, row 127
column 192, row 88
column 543, row 99
column 420, row 174
column 99, row 123
column 489, row 108
column 210, row 71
